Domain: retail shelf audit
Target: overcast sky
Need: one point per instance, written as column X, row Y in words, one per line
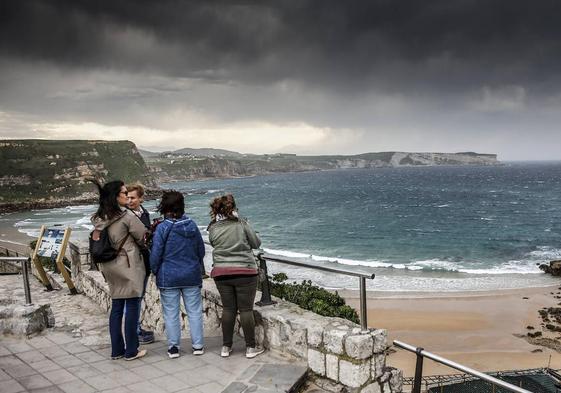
column 297, row 76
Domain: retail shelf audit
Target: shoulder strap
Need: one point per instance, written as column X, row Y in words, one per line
column 166, row 238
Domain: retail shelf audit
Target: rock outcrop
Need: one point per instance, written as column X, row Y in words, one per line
column 554, row 268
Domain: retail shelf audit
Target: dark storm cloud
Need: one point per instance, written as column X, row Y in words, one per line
column 349, row 46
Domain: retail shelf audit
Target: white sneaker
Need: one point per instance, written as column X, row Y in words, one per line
column 226, row 351
column 198, row 351
column 250, row 353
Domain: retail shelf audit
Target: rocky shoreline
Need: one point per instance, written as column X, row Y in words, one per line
column 548, row 334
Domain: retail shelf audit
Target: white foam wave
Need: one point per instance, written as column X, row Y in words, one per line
column 343, row 261
column 83, row 220
column 526, row 266
column 545, row 253
column 433, row 264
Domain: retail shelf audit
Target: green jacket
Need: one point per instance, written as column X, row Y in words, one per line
column 233, row 241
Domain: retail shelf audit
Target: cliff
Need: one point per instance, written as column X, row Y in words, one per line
column 179, row 166
column 45, row 173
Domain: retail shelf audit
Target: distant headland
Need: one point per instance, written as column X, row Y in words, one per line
column 46, row 173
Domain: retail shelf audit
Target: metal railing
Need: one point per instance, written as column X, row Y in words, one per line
column 25, row 261
column 326, row 266
column 421, row 353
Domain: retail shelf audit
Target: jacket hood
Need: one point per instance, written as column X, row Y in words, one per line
column 184, row 226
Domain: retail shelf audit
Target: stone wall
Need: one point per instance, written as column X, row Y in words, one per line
column 335, row 349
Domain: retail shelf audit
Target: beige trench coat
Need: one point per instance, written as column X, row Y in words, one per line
column 126, row 273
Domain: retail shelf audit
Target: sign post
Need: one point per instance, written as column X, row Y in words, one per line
column 52, row 243
column 37, row 262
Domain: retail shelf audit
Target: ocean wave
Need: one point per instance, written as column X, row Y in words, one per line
column 433, row 265
column 83, row 220
column 526, row 266
column 81, row 208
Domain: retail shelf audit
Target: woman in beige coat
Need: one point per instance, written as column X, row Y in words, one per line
column 125, row 274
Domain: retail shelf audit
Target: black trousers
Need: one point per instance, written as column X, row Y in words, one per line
column 238, row 294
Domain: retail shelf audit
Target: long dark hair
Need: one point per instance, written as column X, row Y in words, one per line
column 172, row 204
column 108, row 194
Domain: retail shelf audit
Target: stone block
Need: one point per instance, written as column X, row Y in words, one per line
column 396, row 380
column 374, row 387
column 23, row 320
column 333, row 339
column 359, row 346
column 354, row 375
column 378, row 364
column 315, row 334
column 386, row 375
column 316, row 361
column 293, row 339
column 332, row 367
column 272, row 334
column 380, row 337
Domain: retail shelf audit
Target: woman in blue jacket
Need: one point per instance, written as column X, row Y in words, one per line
column 175, row 259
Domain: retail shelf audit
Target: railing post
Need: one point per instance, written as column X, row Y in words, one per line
column 363, row 310
column 25, row 273
column 418, row 372
column 265, row 287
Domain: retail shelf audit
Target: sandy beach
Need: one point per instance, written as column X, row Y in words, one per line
column 477, row 329
column 11, row 238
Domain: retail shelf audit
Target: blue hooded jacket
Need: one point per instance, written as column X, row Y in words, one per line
column 177, row 254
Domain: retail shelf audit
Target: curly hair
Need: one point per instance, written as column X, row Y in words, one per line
column 224, row 205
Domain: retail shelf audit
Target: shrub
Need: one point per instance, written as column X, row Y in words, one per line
column 311, row 297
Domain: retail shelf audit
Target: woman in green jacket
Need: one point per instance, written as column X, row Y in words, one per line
column 234, row 271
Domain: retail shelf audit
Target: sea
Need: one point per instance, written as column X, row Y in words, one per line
column 418, row 229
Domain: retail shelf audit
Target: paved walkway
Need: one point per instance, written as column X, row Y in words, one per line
column 74, row 357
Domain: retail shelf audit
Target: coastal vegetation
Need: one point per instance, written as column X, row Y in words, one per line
column 311, row 297
column 43, row 172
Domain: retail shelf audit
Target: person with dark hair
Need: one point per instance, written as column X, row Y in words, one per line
column 234, row 271
column 176, row 256
column 134, row 204
column 125, row 274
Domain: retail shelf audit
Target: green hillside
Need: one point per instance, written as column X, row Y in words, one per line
column 45, row 170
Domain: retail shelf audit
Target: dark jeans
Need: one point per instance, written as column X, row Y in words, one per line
column 129, row 346
column 238, row 294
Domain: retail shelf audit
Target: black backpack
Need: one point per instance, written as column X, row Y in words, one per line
column 102, row 250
